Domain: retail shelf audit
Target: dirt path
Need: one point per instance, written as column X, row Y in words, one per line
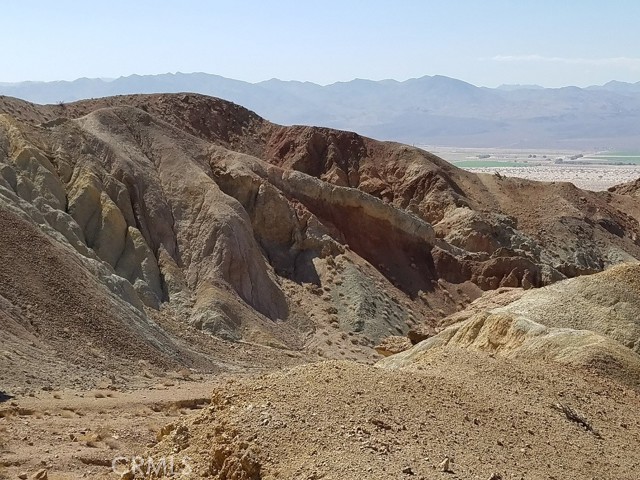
column 77, row 434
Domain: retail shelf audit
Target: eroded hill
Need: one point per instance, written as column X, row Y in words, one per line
column 150, row 227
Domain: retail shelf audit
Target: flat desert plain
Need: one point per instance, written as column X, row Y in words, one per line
column 588, row 170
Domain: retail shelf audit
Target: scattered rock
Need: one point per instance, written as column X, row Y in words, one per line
column 41, row 475
column 408, row 471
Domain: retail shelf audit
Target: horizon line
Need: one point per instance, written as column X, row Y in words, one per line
column 108, row 79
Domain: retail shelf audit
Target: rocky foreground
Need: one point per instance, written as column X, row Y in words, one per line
column 147, row 238
column 454, row 414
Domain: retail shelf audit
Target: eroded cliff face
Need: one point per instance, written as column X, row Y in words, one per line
column 195, row 210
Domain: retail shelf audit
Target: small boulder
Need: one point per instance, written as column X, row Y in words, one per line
column 392, row 345
column 445, row 465
column 41, row 475
column 418, row 334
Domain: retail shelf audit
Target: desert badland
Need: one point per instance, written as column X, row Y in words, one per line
column 181, row 278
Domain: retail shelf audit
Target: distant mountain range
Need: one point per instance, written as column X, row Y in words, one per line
column 431, row 110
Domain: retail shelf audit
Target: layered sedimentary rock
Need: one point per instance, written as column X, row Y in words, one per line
column 196, row 211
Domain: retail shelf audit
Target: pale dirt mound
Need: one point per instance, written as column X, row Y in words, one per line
column 489, row 300
column 512, row 336
column 342, row 420
column 589, row 321
column 607, row 303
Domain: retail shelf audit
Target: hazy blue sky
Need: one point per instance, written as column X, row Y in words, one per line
column 485, row 42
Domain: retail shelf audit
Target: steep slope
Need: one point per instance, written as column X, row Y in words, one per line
column 135, row 203
column 50, row 300
column 571, row 230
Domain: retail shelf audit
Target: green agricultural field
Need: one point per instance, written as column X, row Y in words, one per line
column 614, row 158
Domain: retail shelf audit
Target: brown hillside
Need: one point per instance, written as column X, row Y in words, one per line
column 194, row 213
